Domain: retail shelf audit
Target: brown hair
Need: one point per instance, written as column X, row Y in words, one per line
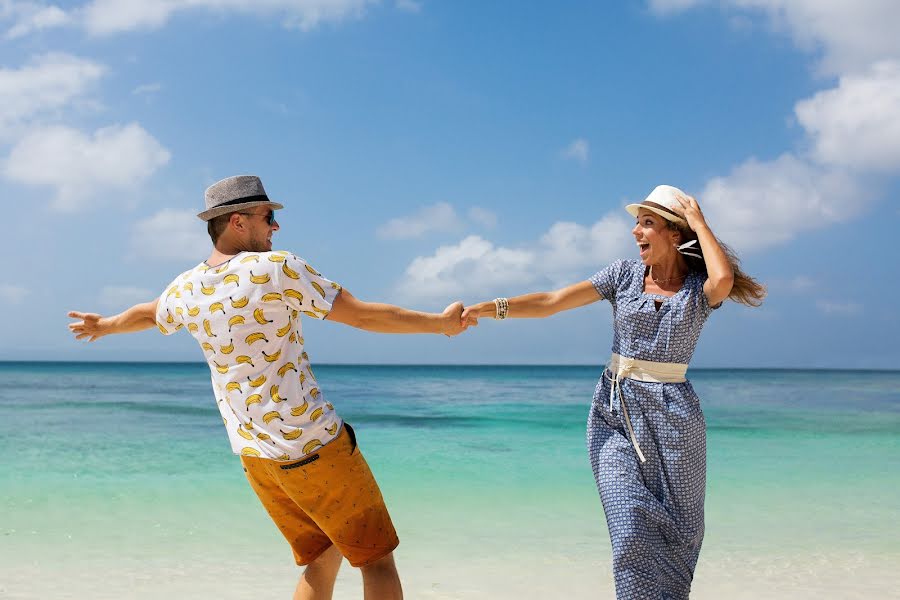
column 217, row 225
column 745, row 290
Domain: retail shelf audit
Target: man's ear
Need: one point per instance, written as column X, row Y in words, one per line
column 235, row 221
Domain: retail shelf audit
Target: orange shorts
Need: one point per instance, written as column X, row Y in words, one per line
column 329, row 497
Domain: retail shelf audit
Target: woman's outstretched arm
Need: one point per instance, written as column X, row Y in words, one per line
column 537, row 305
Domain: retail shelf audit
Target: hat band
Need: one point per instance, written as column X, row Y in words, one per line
column 663, row 208
column 244, row 200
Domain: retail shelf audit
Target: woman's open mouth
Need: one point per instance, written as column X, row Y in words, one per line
column 644, row 249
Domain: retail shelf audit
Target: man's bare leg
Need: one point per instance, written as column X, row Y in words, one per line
column 380, row 580
column 317, row 581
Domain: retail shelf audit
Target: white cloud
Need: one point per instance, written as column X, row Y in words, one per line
column 80, row 167
column 566, row 253
column 12, row 294
column 761, row 204
column 840, row 309
column 123, row 296
column 104, row 17
column 483, row 217
column 146, row 89
column 438, row 217
column 857, row 124
column 32, row 17
column 409, row 6
column 171, row 235
column 578, row 150
column 850, row 35
column 45, row 85
column 801, row 283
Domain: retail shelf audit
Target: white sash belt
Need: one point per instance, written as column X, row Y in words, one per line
column 640, row 370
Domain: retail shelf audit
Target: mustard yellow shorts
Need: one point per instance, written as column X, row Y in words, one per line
column 329, row 497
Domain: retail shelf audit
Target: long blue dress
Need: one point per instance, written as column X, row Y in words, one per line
column 654, row 510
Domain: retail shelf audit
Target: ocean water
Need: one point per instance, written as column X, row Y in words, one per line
column 117, row 481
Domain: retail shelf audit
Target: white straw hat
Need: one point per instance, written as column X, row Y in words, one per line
column 663, row 201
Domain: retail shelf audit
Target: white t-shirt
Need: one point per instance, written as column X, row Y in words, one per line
column 245, row 313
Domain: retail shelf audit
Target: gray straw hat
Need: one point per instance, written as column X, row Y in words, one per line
column 233, row 194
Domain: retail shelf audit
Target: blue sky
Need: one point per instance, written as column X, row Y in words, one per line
column 430, row 151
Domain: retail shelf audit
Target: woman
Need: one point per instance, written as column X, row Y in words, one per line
column 646, row 433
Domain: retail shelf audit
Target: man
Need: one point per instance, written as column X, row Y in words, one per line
column 243, row 305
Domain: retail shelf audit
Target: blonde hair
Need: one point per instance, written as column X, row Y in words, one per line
column 745, row 290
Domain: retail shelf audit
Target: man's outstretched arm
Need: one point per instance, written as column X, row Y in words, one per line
column 387, row 318
column 93, row 326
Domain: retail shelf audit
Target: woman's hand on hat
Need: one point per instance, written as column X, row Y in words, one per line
column 691, row 212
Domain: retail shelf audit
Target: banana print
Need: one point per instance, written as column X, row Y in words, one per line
column 292, row 435
column 271, row 416
column 254, row 399
column 255, row 337
column 279, row 399
column 298, row 411
column 273, row 392
column 284, row 330
column 312, row 445
column 163, row 329
column 207, row 327
column 288, row 366
column 259, row 279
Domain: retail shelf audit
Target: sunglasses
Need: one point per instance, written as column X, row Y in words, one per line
column 269, row 216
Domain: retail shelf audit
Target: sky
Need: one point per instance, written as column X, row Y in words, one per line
column 429, row 151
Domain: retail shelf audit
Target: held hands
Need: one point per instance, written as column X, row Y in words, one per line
column 470, row 316
column 690, row 210
column 452, row 322
column 89, row 326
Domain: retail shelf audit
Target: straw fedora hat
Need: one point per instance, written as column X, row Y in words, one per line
column 663, row 201
column 233, row 194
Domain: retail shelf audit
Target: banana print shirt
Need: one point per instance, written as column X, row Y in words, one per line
column 245, row 314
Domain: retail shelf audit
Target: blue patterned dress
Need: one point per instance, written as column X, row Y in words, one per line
column 654, row 510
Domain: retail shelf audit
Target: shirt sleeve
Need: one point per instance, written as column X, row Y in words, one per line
column 170, row 310
column 607, row 281
column 702, row 301
column 305, row 289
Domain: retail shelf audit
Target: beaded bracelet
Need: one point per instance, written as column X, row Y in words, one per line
column 502, row 305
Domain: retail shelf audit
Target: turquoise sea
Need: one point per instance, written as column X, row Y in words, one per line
column 117, row 481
